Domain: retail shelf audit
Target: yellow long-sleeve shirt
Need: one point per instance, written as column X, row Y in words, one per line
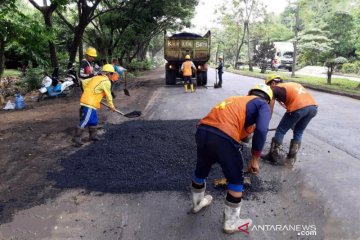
column 94, row 90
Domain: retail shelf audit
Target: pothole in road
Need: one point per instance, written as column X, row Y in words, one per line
column 139, row 156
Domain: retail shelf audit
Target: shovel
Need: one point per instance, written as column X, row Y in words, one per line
column 216, row 85
column 132, row 114
column 126, row 92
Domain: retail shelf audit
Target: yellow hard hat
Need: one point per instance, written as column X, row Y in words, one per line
column 220, row 57
column 260, row 89
column 272, row 77
column 91, row 52
column 108, row 68
column 187, row 56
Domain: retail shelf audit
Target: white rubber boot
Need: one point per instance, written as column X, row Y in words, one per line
column 233, row 222
column 199, row 199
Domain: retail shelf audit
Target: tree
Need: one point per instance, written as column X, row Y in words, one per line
column 47, row 12
column 332, row 64
column 263, row 54
column 312, row 43
column 340, row 26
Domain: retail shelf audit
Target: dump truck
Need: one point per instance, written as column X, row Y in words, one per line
column 181, row 44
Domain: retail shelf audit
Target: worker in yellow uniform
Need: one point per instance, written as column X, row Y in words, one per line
column 186, row 69
column 94, row 90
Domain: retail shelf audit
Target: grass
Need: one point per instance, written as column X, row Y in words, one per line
column 11, row 73
column 337, row 84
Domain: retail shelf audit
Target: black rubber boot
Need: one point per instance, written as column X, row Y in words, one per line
column 93, row 133
column 293, row 150
column 77, row 138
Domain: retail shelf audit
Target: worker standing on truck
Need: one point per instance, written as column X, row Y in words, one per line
column 218, row 139
column 87, row 65
column 94, row 90
column 300, row 107
column 186, row 69
column 220, row 71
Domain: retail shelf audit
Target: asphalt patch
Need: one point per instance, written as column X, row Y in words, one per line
column 138, row 156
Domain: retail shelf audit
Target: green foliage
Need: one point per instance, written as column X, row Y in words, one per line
column 138, row 65
column 311, row 44
column 32, row 80
column 263, row 54
column 340, row 26
column 351, row 67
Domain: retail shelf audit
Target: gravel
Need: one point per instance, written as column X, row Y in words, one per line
column 139, row 156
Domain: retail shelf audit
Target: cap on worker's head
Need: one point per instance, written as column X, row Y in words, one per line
column 220, row 57
column 187, row 56
column 91, row 52
column 262, row 90
column 108, row 68
column 273, row 77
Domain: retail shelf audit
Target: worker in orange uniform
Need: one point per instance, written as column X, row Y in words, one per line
column 186, row 69
column 94, row 90
column 300, row 106
column 218, row 139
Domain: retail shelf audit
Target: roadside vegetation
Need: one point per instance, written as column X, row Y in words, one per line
column 339, row 85
column 324, row 33
column 37, row 36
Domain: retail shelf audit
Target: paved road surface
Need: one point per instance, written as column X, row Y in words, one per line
column 322, row 192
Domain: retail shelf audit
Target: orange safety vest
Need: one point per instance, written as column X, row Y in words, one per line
column 229, row 117
column 89, row 96
column 296, row 96
column 187, row 68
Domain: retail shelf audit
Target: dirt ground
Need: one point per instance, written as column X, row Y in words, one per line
column 34, row 139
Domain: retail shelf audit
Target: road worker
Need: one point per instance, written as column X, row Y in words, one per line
column 186, row 69
column 220, row 71
column 87, row 65
column 94, row 90
column 218, row 139
column 300, row 107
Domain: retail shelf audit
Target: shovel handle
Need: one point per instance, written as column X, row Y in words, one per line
column 110, row 108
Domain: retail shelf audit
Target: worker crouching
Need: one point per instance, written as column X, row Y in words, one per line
column 218, row 139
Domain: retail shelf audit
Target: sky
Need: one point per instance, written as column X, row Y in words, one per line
column 204, row 15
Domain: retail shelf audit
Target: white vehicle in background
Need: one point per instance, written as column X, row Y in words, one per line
column 283, row 55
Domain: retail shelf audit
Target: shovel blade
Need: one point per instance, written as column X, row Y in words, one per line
column 126, row 92
column 133, row 114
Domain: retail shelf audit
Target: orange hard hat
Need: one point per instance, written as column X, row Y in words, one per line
column 114, row 77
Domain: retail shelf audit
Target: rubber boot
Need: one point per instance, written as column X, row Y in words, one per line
column 93, row 133
column 233, row 222
column 192, row 87
column 274, row 155
column 186, row 87
column 77, row 138
column 199, row 199
column 294, row 148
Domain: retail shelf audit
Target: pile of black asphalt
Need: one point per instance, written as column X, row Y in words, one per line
column 139, row 156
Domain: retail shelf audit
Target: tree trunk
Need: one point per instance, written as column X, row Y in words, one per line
column 241, row 44
column 329, row 73
column 52, row 49
column 2, row 56
column 77, row 40
column 249, row 56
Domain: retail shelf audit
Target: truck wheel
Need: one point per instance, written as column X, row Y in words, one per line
column 204, row 81
column 290, row 69
column 170, row 77
column 201, row 79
